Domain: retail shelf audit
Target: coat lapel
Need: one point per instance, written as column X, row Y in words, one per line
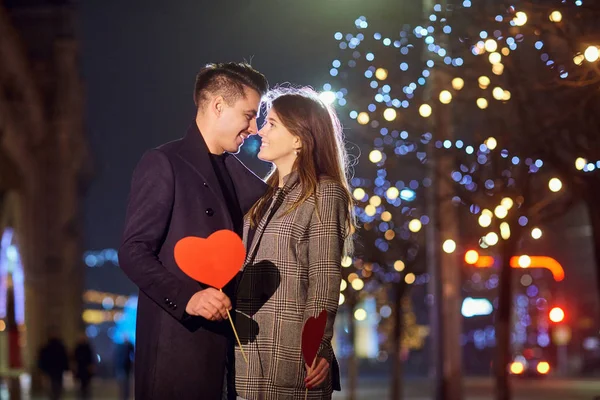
column 195, row 153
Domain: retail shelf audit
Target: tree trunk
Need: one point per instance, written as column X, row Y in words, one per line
column 503, row 325
column 592, row 197
column 352, row 361
column 397, row 381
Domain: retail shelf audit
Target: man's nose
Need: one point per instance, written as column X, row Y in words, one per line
column 253, row 130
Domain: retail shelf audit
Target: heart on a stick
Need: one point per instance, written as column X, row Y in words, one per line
column 312, row 335
column 213, row 261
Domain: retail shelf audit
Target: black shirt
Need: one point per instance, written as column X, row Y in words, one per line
column 228, row 191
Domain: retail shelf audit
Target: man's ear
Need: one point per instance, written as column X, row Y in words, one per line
column 216, row 105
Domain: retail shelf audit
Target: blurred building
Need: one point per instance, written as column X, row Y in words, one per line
column 43, row 156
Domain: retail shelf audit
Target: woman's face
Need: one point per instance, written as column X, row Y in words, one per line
column 278, row 144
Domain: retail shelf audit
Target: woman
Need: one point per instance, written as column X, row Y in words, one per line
column 295, row 237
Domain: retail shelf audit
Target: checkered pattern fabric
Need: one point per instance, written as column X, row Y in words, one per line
column 291, row 273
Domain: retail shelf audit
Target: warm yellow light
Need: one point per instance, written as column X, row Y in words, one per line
column 505, row 230
column 543, row 367
column 555, row 185
column 501, row 212
column 381, row 74
column 555, row 16
column 556, row 315
column 375, row 201
column 370, row 210
column 375, row 156
column 392, row 193
column 363, row 118
column 425, row 110
column 386, row 216
column 536, row 233
column 93, row 317
column 485, row 220
column 357, row 284
column 517, row 368
column 415, row 225
column 506, row 95
column 360, row 314
column 449, row 246
column 592, row 53
column 491, row 238
column 2, row 326
column 505, row 51
column 578, row 59
column 491, row 143
column 491, row 45
column 352, row 277
column 410, row 278
column 399, row 265
column 498, row 69
column 458, row 83
column 389, row 114
column 580, row 163
column 342, row 299
column 343, row 285
column 471, row 257
column 445, row 97
column 495, row 58
column 524, row 261
column 520, row 18
column 346, row 261
column 498, row 93
column 482, row 103
column 507, row 203
column 487, row 212
column 359, row 194
column 484, row 82
column 389, row 234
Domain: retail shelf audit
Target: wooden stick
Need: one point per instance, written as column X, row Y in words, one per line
column 236, row 335
column 308, row 373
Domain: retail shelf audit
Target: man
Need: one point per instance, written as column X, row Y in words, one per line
column 54, row 362
column 124, row 354
column 84, row 360
column 190, row 187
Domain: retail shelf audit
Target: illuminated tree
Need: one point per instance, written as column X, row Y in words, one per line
column 479, row 61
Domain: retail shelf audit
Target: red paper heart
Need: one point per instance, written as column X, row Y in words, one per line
column 213, row 261
column 312, row 335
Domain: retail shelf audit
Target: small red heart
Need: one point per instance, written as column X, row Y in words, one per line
column 312, row 335
column 213, row 261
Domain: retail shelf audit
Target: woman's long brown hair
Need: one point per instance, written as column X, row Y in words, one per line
column 322, row 155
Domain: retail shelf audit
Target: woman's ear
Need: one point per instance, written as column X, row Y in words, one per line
column 297, row 143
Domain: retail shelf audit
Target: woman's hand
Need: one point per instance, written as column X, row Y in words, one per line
column 318, row 374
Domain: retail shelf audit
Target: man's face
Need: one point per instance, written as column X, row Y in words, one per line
column 238, row 121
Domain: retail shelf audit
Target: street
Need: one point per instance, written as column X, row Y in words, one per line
column 421, row 389
column 482, row 389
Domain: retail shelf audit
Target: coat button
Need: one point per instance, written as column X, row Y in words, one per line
column 210, row 212
column 167, row 301
column 205, row 184
column 174, row 306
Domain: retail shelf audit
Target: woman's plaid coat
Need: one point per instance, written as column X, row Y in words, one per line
column 291, row 273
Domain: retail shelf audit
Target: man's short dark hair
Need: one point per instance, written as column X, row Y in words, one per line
column 228, row 80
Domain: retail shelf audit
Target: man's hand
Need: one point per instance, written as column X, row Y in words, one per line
column 210, row 303
column 317, row 375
